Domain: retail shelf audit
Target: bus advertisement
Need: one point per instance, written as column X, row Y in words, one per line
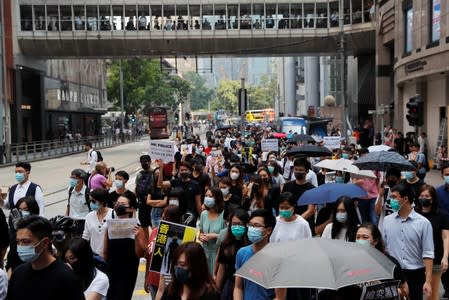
column 158, row 120
column 260, row 115
column 300, row 125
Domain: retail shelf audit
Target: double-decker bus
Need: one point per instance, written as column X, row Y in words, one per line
column 158, row 121
column 260, row 115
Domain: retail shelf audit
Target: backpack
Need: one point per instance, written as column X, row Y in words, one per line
column 86, row 194
column 143, row 184
column 99, row 156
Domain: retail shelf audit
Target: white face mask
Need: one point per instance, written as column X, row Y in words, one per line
column 118, row 183
column 235, row 176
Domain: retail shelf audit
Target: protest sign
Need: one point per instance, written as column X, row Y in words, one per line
column 384, row 290
column 121, row 228
column 163, row 150
column 331, row 142
column 270, row 145
column 186, row 149
column 169, row 237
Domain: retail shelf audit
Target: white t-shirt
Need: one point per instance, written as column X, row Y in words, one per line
column 92, row 158
column 3, row 284
column 99, row 285
column 94, row 231
column 78, row 206
column 290, row 231
column 327, row 233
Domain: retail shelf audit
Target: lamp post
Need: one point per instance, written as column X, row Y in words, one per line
column 122, row 115
column 342, row 67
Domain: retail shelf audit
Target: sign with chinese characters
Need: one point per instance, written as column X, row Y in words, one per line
column 270, row 145
column 384, row 290
column 168, row 238
column 121, row 228
column 162, row 150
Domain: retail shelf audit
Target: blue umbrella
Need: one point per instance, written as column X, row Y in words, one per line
column 330, row 192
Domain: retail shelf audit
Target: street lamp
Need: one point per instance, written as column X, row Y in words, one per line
column 122, row 116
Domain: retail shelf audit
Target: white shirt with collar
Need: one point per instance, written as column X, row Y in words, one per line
column 21, row 191
column 78, row 206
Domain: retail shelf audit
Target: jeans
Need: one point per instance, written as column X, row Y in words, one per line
column 156, row 213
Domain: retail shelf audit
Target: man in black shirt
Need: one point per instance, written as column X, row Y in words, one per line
column 42, row 276
column 297, row 187
column 190, row 199
column 202, row 178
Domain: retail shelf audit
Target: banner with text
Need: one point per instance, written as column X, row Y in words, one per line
column 121, row 228
column 270, row 145
column 385, row 290
column 163, row 150
column 331, row 142
column 169, row 237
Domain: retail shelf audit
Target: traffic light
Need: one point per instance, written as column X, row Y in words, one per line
column 415, row 114
column 176, row 117
column 187, row 116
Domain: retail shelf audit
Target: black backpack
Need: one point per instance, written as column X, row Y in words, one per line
column 143, row 184
column 99, row 156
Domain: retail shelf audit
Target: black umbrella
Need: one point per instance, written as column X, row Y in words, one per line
column 310, row 151
column 226, row 127
column 384, row 160
column 303, row 138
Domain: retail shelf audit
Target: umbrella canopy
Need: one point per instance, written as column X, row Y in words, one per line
column 303, row 138
column 279, row 135
column 329, row 264
column 341, row 164
column 226, row 127
column 310, row 151
column 377, row 148
column 344, row 165
column 382, row 161
column 330, row 192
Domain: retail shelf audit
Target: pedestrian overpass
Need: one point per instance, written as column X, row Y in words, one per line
column 111, row 28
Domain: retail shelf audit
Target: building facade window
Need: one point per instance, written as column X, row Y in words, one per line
column 436, row 17
column 408, row 29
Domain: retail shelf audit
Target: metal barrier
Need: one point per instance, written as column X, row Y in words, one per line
column 54, row 148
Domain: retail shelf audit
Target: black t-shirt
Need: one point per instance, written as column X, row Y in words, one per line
column 187, row 199
column 4, row 236
column 203, row 180
column 226, row 256
column 237, row 195
column 297, row 190
column 57, row 281
column 114, row 196
column 415, row 187
column 439, row 221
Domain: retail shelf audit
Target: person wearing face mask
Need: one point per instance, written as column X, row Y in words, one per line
column 144, row 180
column 122, row 254
column 121, row 179
column 95, row 225
column 24, row 187
column 234, row 239
column 269, row 191
column 344, row 221
column 298, row 187
column 211, row 223
column 275, row 172
column 80, row 257
column 42, row 276
column 260, row 227
column 230, row 201
column 236, row 175
column 369, row 235
column 202, row 178
column 291, row 227
column 382, row 206
column 191, row 277
column 412, row 182
column 428, row 207
column 190, row 199
column 78, row 205
column 408, row 238
column 27, row 207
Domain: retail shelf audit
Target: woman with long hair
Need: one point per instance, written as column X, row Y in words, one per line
column 344, row 221
column 156, row 199
column 81, row 258
column 369, row 234
column 234, row 240
column 428, row 206
column 211, row 223
column 270, row 190
column 191, row 277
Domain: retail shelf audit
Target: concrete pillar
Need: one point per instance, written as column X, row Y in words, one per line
column 312, row 80
column 289, row 85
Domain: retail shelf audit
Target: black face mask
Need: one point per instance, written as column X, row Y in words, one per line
column 300, row 175
column 184, row 175
column 145, row 165
column 121, row 210
column 76, row 267
column 391, row 183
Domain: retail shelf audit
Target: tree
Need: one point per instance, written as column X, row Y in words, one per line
column 263, row 95
column 227, row 96
column 144, row 85
column 199, row 95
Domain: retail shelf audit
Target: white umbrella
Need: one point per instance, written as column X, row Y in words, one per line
column 345, row 165
column 377, row 148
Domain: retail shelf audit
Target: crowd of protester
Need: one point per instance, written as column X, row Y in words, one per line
column 239, row 198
